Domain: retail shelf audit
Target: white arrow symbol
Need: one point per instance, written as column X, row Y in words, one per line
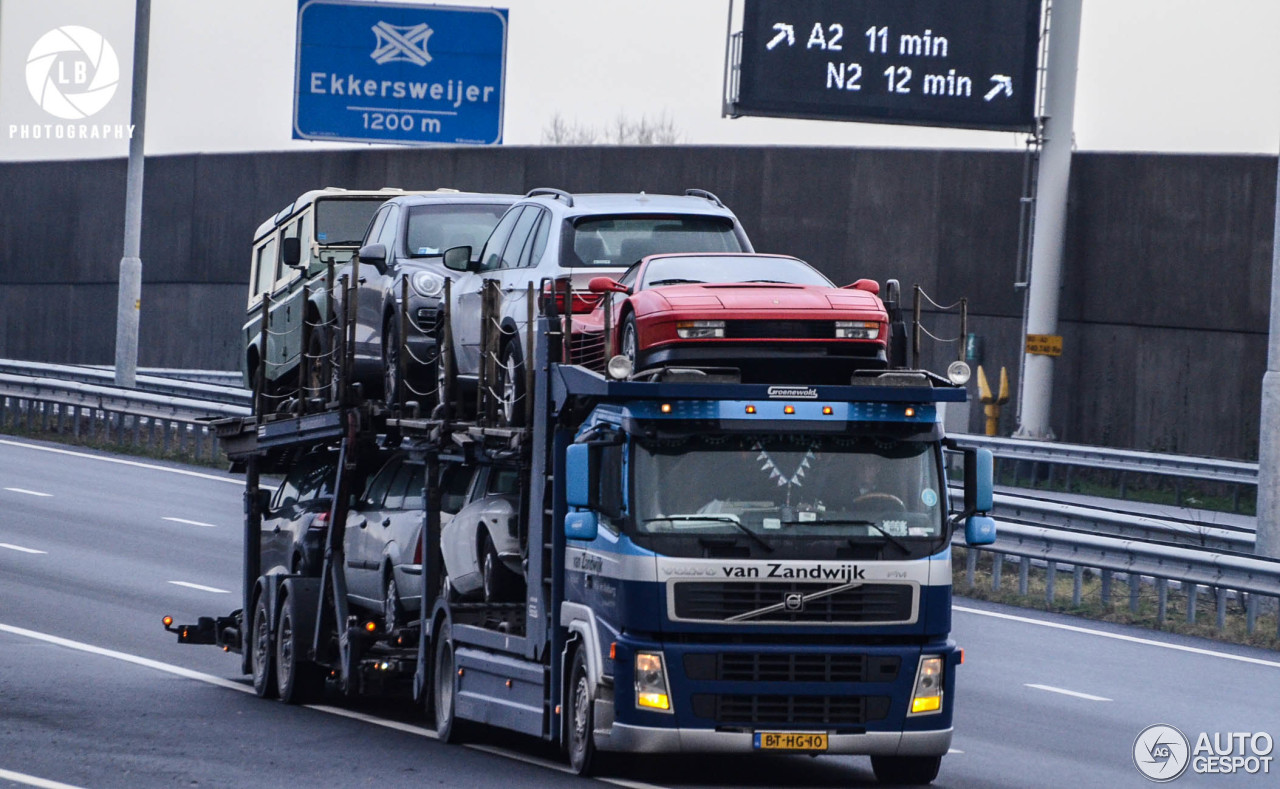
column 1003, row 85
column 784, row 31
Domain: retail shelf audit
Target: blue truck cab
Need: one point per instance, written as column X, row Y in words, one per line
column 765, row 568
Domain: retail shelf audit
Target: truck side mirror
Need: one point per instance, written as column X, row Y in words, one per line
column 457, row 258
column 979, row 498
column 291, row 251
column 581, row 525
column 577, row 482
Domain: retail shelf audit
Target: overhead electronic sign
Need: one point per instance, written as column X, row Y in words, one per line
column 967, row 64
column 399, row 73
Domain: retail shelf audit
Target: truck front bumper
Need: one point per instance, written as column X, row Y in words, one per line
column 653, row 739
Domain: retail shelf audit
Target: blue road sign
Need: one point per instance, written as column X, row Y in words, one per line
column 399, row 73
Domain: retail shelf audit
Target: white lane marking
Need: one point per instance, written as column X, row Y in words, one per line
column 215, row 590
column 191, row 523
column 1120, row 637
column 31, row 492
column 19, row 548
column 954, row 750
column 127, row 658
column 225, row 683
column 123, row 462
column 1077, row 694
column 31, row 780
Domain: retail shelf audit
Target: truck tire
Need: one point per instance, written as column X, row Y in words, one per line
column 261, row 655
column 448, row 728
column 299, row 680
column 581, row 740
column 909, row 770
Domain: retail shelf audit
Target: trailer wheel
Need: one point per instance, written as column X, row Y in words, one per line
column 260, row 652
column 300, row 681
column 911, row 770
column 582, row 748
column 448, row 727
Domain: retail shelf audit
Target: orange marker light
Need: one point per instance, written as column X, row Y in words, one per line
column 827, row 410
column 788, row 409
column 168, row 620
column 910, row 411
column 751, row 409
column 666, row 408
column 371, row 626
column 613, row 651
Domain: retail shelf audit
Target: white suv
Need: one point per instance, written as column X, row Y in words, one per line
column 552, row 237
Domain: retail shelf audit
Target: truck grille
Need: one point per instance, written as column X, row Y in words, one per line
column 863, row 603
column 823, row 711
column 791, row 667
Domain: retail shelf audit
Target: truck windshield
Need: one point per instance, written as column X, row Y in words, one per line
column 794, row 486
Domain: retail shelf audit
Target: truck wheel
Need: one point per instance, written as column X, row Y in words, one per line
column 448, row 728
column 899, row 770
column 581, row 745
column 299, row 680
column 499, row 582
column 260, row 652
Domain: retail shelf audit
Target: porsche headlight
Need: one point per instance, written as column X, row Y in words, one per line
column 427, row 284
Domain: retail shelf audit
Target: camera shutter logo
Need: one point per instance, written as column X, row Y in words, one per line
column 72, row 72
column 1161, row 753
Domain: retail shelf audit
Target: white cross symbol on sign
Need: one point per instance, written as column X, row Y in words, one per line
column 402, row 43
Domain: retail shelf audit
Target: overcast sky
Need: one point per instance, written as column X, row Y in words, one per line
column 1155, row 75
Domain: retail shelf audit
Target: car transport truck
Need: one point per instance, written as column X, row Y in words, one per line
column 705, row 565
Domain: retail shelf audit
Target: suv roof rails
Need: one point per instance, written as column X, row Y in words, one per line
column 558, row 194
column 703, row 193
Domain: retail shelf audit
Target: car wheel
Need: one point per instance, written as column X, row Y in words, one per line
column 317, row 375
column 630, row 345
column 581, row 741
column 392, row 611
column 448, row 727
column 910, row 770
column 391, row 364
column 499, row 582
column 511, row 405
column 300, row 681
column 260, row 652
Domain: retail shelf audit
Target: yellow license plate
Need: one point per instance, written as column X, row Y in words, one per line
column 791, row 741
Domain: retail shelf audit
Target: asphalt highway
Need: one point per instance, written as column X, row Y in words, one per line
column 95, row 549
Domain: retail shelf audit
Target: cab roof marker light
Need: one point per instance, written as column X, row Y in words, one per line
column 909, row 411
column 665, row 408
column 788, row 409
column 751, row 409
column 827, row 410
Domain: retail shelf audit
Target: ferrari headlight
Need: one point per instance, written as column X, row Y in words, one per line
column 651, row 682
column 927, row 697
column 427, row 284
column 857, row 330
column 700, row 330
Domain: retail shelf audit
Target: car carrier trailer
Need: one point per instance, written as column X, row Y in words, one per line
column 702, row 572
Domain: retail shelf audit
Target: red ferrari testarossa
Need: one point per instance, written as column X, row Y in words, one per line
column 773, row 317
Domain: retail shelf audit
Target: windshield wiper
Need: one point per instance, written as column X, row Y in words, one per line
column 718, row 518
column 769, row 281
column 855, row 522
column 675, row 281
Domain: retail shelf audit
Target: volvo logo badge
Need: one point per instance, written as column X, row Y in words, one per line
column 793, row 601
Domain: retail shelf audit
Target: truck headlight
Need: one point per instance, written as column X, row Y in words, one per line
column 700, row 330
column 857, row 330
column 651, row 682
column 927, row 698
column 427, row 284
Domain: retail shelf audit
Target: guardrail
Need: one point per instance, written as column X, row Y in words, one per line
column 1247, row 579
column 1237, row 473
column 168, row 382
column 123, row 417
